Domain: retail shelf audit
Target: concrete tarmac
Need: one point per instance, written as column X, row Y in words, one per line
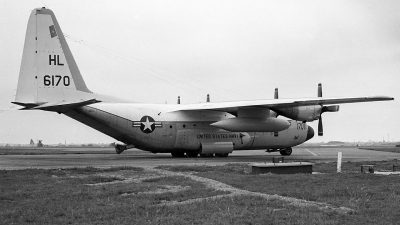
column 106, row 158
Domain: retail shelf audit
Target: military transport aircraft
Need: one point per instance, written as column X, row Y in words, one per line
column 50, row 80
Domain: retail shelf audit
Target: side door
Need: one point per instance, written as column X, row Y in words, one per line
column 169, row 135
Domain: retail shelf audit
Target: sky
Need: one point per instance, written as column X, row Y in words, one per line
column 154, row 51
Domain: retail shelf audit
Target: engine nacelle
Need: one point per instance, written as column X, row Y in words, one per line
column 301, row 113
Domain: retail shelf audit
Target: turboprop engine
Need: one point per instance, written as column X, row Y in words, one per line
column 307, row 113
column 301, row 113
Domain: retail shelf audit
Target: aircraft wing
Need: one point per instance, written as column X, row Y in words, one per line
column 279, row 103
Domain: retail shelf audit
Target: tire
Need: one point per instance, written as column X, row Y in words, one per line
column 206, row 155
column 287, row 151
column 192, row 154
column 222, row 154
column 178, row 154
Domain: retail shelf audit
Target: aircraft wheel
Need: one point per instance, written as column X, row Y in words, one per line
column 192, row 154
column 287, row 151
column 222, row 154
column 206, row 155
column 177, row 154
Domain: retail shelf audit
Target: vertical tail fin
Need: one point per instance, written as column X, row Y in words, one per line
column 48, row 70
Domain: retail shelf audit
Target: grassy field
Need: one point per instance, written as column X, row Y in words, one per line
column 227, row 194
column 382, row 148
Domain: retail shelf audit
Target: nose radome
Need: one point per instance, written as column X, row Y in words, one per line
column 310, row 133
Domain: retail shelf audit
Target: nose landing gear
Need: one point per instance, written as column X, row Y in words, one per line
column 286, row 151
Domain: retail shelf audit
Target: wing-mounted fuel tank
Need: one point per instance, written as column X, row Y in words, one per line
column 253, row 124
column 253, row 119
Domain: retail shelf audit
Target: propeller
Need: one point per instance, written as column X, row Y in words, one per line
column 331, row 108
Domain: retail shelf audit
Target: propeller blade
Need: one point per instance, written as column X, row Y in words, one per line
column 276, row 96
column 320, row 127
column 320, row 90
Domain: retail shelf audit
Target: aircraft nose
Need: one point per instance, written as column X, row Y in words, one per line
column 310, row 133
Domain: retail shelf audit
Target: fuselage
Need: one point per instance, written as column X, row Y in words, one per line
column 164, row 128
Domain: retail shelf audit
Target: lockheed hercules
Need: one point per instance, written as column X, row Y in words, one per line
column 50, row 80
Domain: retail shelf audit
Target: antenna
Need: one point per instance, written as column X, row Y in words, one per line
column 44, row 4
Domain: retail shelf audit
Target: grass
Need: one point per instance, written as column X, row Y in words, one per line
column 383, row 149
column 374, row 197
column 63, row 196
column 68, row 196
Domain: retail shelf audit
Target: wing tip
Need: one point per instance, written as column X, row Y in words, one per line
column 382, row 98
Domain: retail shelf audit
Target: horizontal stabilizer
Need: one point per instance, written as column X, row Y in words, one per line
column 15, row 107
column 62, row 106
column 65, row 105
column 26, row 105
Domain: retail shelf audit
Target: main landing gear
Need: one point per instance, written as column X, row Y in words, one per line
column 192, row 154
column 286, row 151
column 178, row 154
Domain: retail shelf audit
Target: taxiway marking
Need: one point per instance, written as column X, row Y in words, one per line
column 311, row 152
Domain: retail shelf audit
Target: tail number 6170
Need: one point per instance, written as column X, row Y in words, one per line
column 56, row 80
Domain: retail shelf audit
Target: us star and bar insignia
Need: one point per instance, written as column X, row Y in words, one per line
column 147, row 124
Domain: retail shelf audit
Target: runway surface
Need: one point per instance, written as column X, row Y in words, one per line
column 107, row 158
